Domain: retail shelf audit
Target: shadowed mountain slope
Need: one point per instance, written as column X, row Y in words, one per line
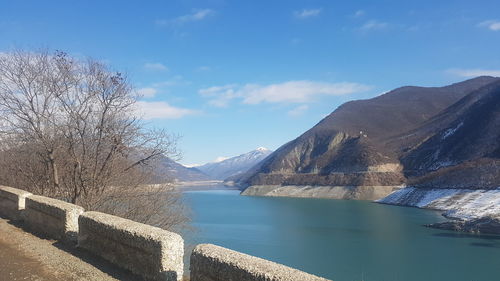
column 373, row 142
column 170, row 169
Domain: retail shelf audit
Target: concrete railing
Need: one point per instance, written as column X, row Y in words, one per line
column 214, row 263
column 51, row 217
column 148, row 251
column 12, row 202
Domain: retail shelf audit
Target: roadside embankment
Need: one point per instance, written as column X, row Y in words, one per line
column 149, row 252
column 24, row 256
column 106, row 241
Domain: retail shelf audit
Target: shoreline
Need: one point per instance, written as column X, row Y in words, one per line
column 467, row 210
column 326, row 192
column 203, row 186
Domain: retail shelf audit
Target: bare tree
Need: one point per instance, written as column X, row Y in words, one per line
column 69, row 130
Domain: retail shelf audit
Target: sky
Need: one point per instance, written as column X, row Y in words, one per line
column 231, row 76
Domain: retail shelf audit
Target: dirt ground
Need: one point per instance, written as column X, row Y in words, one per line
column 24, row 256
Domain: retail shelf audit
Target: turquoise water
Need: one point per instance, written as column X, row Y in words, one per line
column 342, row 240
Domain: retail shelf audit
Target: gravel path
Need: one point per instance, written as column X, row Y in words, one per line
column 24, row 256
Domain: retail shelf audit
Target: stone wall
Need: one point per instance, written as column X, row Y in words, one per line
column 145, row 250
column 12, row 202
column 150, row 252
column 214, row 263
column 54, row 218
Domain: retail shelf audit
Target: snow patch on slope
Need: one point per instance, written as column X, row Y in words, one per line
column 457, row 203
column 451, row 131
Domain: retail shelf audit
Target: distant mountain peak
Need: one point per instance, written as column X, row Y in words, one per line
column 235, row 165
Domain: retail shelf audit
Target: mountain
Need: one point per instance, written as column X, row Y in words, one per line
column 170, row 169
column 234, row 166
column 462, row 149
column 412, row 135
column 167, row 168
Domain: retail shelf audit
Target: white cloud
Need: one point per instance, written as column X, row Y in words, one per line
column 161, row 110
column 220, row 96
column 301, row 91
column 307, row 13
column 162, row 22
column 474, row 72
column 297, row 91
column 359, row 13
column 493, row 25
column 196, row 15
column 298, row 111
column 374, row 25
column 147, row 92
column 173, row 81
column 155, row 66
column 203, row 68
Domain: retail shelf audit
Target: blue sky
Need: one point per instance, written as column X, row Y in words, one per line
column 230, row 76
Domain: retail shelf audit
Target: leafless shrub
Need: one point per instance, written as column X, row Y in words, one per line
column 69, row 130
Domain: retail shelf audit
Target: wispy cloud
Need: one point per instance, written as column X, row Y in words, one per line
column 203, row 68
column 163, row 86
column 474, row 72
column 176, row 80
column 306, row 13
column 302, row 91
column 493, row 25
column 297, row 91
column 220, row 96
column 359, row 13
column 374, row 25
column 161, row 110
column 155, row 66
column 298, row 111
column 195, row 15
column 147, row 92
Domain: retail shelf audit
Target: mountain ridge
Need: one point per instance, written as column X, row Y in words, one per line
column 172, row 170
column 364, row 143
column 236, row 165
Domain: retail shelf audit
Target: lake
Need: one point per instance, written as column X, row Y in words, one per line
column 342, row 240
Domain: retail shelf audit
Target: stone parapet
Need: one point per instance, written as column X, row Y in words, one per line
column 54, row 218
column 12, row 202
column 148, row 251
column 214, row 263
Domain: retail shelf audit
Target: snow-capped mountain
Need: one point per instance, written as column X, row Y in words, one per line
column 235, row 165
